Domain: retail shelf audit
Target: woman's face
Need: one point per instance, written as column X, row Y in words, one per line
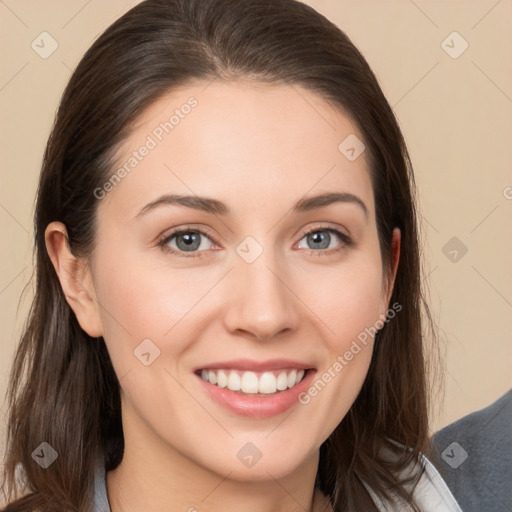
column 243, row 297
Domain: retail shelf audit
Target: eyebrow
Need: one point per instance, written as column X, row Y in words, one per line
column 217, row 207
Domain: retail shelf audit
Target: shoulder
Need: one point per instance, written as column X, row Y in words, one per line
column 497, row 416
column 473, row 455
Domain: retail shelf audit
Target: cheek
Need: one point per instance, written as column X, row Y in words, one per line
column 139, row 302
column 349, row 305
column 348, row 300
column 145, row 293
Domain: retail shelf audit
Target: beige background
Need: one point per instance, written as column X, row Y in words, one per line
column 456, row 114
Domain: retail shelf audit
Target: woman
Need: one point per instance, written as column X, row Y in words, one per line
column 228, row 304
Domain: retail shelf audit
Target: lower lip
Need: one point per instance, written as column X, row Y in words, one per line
column 257, row 406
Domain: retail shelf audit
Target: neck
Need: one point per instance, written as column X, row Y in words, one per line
column 155, row 476
column 146, row 483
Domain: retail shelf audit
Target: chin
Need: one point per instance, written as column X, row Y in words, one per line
column 250, row 464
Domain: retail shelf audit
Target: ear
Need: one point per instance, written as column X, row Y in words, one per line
column 389, row 281
column 75, row 279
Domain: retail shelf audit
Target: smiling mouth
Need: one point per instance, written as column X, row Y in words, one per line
column 254, row 383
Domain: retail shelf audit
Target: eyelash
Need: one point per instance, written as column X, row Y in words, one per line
column 346, row 242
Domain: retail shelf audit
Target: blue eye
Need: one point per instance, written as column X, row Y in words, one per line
column 321, row 237
column 186, row 241
column 190, row 243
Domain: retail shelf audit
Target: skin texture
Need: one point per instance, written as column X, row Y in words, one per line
column 258, row 148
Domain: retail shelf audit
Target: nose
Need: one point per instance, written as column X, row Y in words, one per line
column 263, row 304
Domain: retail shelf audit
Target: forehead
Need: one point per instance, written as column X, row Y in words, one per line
column 241, row 142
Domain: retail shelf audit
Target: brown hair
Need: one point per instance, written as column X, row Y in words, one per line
column 63, row 389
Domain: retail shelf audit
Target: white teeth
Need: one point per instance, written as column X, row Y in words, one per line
column 292, row 376
column 249, row 382
column 268, row 383
column 234, row 381
column 282, row 381
column 222, row 379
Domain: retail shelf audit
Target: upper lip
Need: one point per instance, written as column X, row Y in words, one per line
column 255, row 366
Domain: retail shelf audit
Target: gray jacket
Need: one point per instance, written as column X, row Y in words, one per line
column 474, row 456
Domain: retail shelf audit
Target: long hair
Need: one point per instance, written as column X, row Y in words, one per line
column 63, row 389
